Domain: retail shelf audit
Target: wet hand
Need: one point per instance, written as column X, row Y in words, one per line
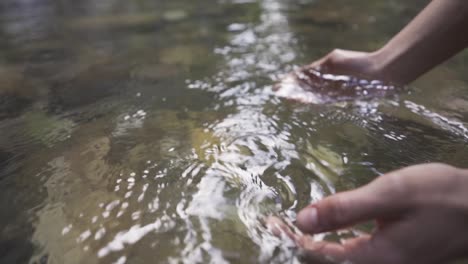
column 346, row 62
column 341, row 75
column 421, row 214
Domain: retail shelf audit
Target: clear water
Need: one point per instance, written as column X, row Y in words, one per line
column 147, row 131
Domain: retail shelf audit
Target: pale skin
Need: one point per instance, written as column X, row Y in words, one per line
column 421, row 211
column 439, row 32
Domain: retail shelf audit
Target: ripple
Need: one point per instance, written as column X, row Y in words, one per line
column 185, row 171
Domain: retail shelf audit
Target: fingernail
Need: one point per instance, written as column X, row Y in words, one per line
column 307, row 220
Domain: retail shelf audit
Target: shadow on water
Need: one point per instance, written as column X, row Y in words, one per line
column 137, row 131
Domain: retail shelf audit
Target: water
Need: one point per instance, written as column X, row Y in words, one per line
column 148, row 131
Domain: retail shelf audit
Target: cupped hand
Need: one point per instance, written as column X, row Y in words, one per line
column 421, row 214
column 347, row 62
column 340, row 75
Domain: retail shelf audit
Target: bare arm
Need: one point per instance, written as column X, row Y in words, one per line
column 436, row 34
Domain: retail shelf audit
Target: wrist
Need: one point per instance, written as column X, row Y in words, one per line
column 380, row 61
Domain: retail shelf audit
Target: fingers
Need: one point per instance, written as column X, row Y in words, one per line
column 309, row 250
column 361, row 250
column 358, row 250
column 279, row 228
column 310, row 76
column 378, row 200
column 321, row 250
column 320, row 64
column 338, row 211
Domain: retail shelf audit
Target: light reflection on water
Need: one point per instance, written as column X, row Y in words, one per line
column 139, row 148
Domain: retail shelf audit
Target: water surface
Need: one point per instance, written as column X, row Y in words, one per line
column 148, row 131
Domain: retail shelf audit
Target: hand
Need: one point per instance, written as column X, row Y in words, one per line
column 340, row 75
column 421, row 214
column 432, row 37
column 346, row 62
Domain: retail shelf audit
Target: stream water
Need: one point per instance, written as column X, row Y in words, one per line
column 148, row 131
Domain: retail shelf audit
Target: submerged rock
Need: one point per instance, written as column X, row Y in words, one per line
column 89, row 161
column 88, row 86
column 64, row 224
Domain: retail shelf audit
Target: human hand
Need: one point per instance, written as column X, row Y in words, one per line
column 421, row 214
column 347, row 62
column 340, row 75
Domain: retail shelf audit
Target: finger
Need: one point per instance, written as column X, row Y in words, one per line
column 305, row 77
column 383, row 198
column 357, row 250
column 309, row 76
column 320, row 249
column 309, row 250
column 323, row 252
column 327, row 63
column 308, row 256
column 319, row 64
column 279, row 228
column 363, row 249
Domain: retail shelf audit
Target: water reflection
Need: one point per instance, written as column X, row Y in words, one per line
column 150, row 131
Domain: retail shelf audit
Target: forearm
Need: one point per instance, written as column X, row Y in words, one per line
column 436, row 34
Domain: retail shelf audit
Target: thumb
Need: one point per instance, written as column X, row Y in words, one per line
column 380, row 199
